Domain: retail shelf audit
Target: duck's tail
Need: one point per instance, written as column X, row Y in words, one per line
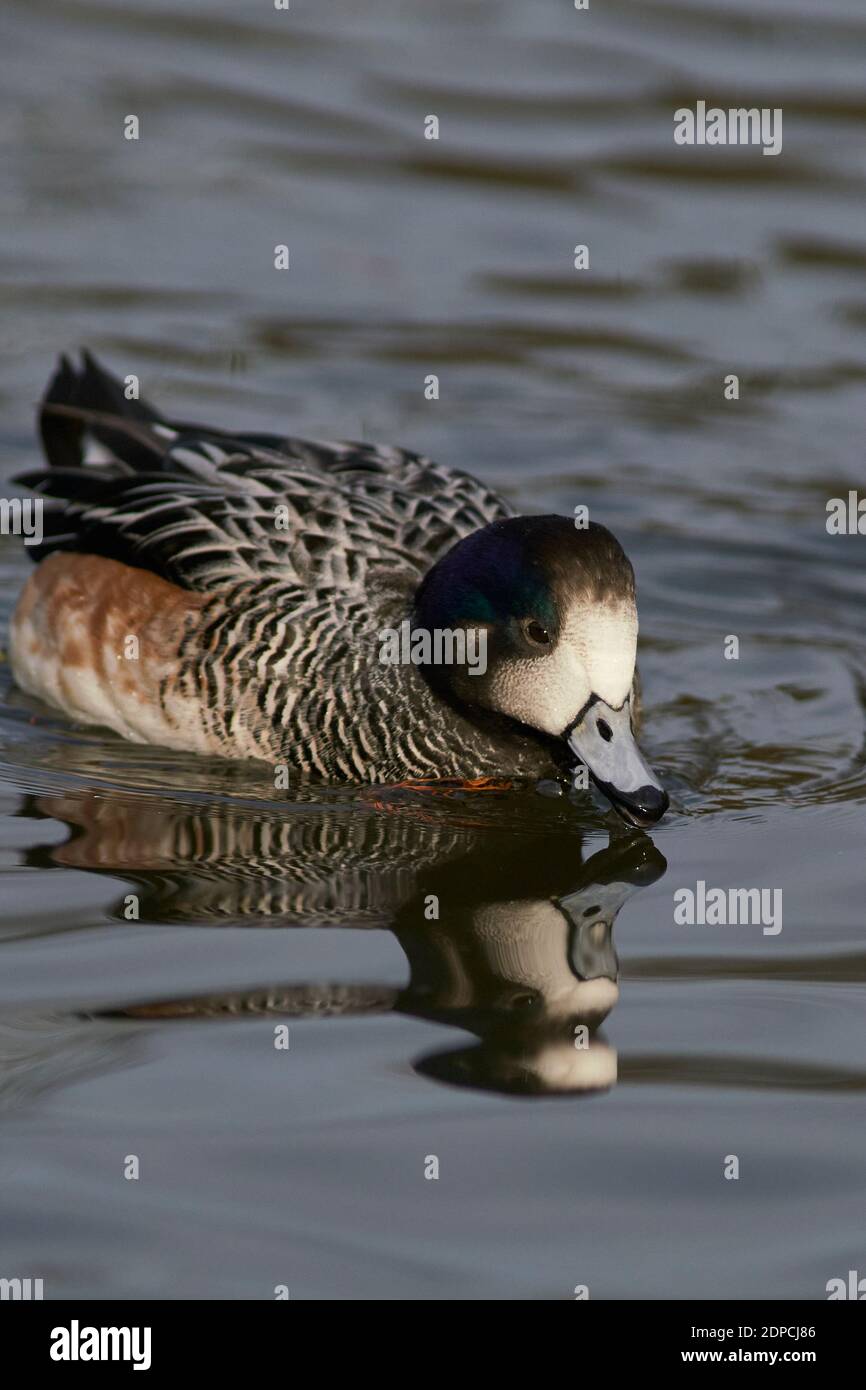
column 87, row 415
column 101, row 446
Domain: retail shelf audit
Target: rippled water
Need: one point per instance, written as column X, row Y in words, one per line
column 558, row 1166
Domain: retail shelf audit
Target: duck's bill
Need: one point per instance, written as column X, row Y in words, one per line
column 602, row 738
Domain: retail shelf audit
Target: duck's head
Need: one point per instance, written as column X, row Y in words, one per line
column 557, row 605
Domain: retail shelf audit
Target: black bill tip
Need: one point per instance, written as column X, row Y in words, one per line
column 642, row 807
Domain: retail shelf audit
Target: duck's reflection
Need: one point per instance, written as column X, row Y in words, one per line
column 507, row 933
column 532, row 976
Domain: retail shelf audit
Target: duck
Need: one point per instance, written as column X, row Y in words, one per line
column 226, row 594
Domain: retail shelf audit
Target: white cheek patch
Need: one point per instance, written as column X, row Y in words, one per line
column 595, row 655
column 605, row 638
column 542, row 691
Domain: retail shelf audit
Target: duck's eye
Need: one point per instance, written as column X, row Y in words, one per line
column 537, row 633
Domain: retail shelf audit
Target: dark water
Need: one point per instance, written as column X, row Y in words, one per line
column 599, row 1165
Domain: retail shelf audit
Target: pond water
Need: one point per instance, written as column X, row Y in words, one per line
column 412, row 1039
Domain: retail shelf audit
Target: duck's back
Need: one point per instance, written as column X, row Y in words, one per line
column 204, row 507
column 221, row 592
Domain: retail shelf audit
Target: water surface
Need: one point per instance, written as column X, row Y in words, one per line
column 599, row 1165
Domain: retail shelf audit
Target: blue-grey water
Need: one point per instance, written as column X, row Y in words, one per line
column 411, row 1039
